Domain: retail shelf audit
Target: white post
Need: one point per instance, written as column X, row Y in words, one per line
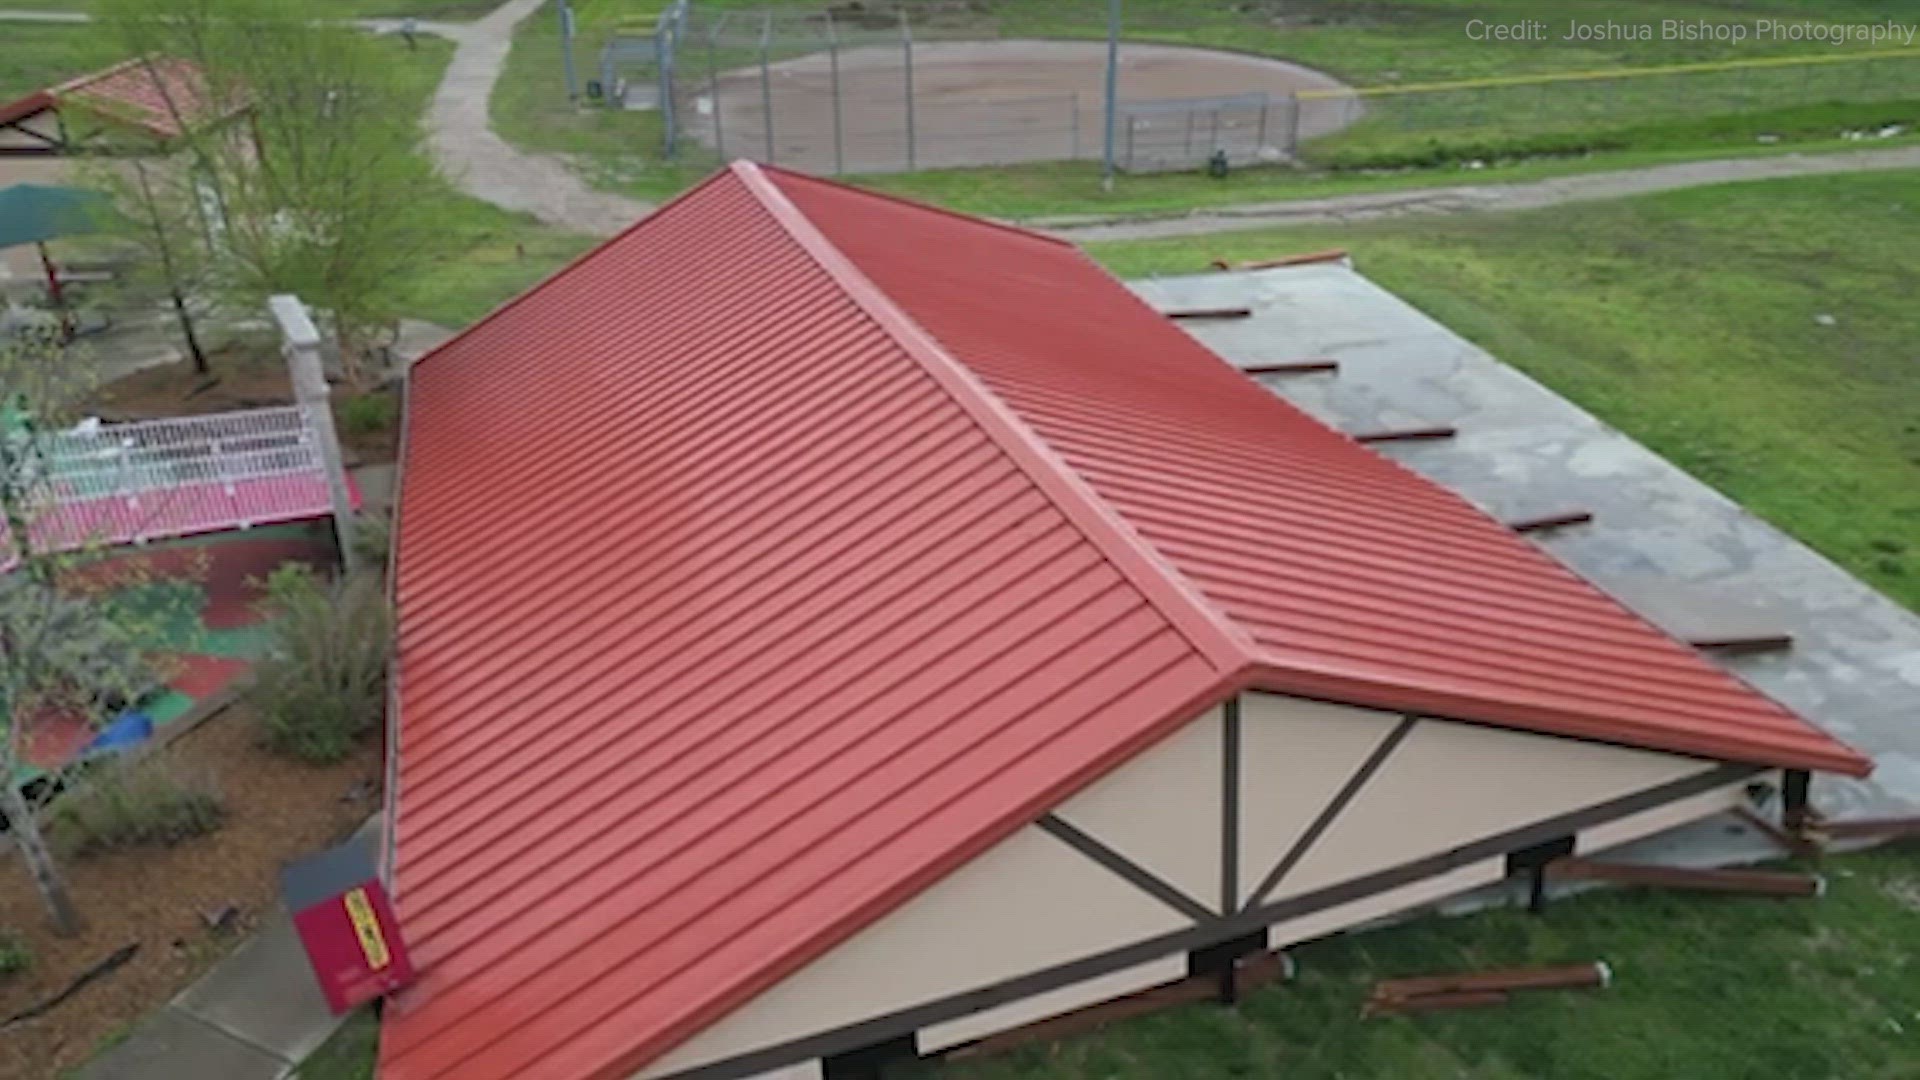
column 301, row 346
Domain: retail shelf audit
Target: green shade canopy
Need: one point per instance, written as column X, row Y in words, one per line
column 34, row 213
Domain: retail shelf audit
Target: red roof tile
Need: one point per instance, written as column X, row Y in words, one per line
column 798, row 544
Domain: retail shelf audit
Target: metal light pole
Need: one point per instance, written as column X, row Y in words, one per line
column 1113, row 83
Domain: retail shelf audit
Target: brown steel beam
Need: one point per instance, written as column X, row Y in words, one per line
column 1250, row 972
column 1292, row 367
column 1466, row 999
column 1790, row 842
column 1859, row 828
column 1757, row 882
column 1209, row 313
column 1302, row 259
column 1438, row 431
column 1565, row 977
column 1749, row 643
column 1550, row 521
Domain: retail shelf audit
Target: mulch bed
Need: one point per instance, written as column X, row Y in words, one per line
column 277, row 809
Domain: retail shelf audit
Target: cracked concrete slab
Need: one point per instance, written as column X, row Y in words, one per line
column 1854, row 668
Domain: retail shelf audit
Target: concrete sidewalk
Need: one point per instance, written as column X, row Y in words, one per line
column 256, row 1016
column 1468, row 198
column 484, row 165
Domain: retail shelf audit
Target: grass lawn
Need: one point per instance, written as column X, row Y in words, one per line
column 447, row 10
column 1705, row 989
column 1374, row 44
column 349, row 1055
column 485, row 255
column 1687, row 320
column 38, row 55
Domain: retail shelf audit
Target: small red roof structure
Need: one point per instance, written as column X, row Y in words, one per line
column 799, row 544
column 152, row 98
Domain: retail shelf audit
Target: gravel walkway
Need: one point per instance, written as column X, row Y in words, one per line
column 1468, row 198
column 482, row 163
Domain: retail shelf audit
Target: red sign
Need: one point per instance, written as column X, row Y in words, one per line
column 341, row 911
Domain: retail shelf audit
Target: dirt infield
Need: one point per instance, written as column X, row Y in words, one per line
column 1000, row 102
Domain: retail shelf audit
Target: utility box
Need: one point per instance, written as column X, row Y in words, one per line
column 345, row 921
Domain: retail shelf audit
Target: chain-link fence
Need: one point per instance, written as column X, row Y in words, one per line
column 872, row 87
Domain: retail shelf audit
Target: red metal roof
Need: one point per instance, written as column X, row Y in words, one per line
column 796, row 545
column 129, row 93
column 1355, row 578
column 156, row 99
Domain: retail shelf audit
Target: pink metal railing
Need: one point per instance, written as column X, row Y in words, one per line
column 153, row 479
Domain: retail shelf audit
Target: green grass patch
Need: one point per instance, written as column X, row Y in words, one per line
column 39, row 55
column 1068, row 189
column 447, row 10
column 1707, row 989
column 483, row 255
column 349, row 1054
column 1692, row 321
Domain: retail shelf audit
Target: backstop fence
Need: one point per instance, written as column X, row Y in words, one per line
column 880, row 86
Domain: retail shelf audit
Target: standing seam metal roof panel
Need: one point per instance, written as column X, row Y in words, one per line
column 1355, row 578
column 809, row 626
column 799, row 544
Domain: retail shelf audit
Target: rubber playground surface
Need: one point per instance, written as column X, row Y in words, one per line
column 211, row 638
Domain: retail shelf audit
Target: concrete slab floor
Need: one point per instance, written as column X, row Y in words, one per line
column 1522, row 450
column 264, row 993
column 173, row 1044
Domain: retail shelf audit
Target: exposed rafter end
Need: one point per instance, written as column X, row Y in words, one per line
column 1209, row 313
column 1413, row 434
column 1550, row 521
column 1749, row 643
column 1292, row 367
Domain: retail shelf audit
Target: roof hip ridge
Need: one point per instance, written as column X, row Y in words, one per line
column 1223, row 643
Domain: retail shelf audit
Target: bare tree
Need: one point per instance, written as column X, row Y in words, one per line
column 83, row 656
column 308, row 140
column 159, row 210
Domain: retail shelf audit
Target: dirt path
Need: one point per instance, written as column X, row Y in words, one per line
column 482, row 163
column 1464, row 199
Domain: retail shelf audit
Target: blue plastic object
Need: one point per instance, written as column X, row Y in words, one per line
column 127, row 729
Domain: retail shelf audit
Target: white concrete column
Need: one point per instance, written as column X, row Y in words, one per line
column 300, row 343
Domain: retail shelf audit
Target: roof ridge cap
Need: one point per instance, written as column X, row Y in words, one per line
column 1223, row 643
column 971, row 219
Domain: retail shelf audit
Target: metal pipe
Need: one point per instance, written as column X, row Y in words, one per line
column 566, row 49
column 1074, row 119
column 1113, row 87
column 766, row 82
column 833, row 59
column 906, row 41
column 713, row 91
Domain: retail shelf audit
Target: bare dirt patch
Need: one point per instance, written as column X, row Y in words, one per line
column 987, row 102
column 277, row 810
